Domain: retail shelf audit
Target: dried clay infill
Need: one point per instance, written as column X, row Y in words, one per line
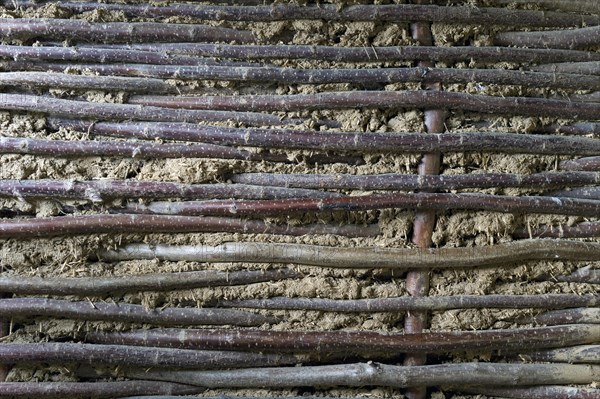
column 291, row 200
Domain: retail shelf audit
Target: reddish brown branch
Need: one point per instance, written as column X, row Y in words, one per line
column 560, row 39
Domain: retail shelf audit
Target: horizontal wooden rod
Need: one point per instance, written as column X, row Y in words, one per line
column 364, row 258
column 587, row 354
column 331, row 12
column 117, row 32
column 586, row 68
column 360, row 54
column 396, row 142
column 568, row 316
column 580, row 230
column 430, row 303
column 559, row 39
column 539, row 392
column 354, row 341
column 62, row 353
column 97, row 286
column 25, row 308
column 127, row 223
column 389, row 100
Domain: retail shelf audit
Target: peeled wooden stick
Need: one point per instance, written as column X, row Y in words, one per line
column 568, row 316
column 23, row 308
column 330, row 12
column 61, row 353
column 95, row 390
column 396, row 142
column 128, row 149
column 109, row 111
column 418, row 201
column 560, row 39
column 377, row 374
column 100, row 190
column 96, row 286
column 363, row 258
column 541, row 392
column 392, row 181
column 542, row 301
column 355, row 341
column 127, row 223
column 588, row 354
column 290, row 76
column 117, row 32
column 360, row 54
column 390, row 100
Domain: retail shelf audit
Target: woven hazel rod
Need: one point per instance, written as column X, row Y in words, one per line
column 589, row 354
column 61, row 353
column 361, row 54
column 126, row 223
column 396, row 142
column 541, row 392
column 391, row 100
column 77, row 82
column 581, row 230
column 545, row 301
column 582, row 128
column 363, row 258
column 584, row 275
column 108, row 111
column 95, row 390
column 356, row 341
column 587, row 192
column 107, row 55
column 128, row 149
column 586, row 68
column 117, row 32
column 96, row 286
column 377, row 374
column 394, row 181
column 330, row 12
column 100, row 190
column 568, row 316
column 560, row 39
column 590, row 6
column 24, row 308
column 301, row 76
column 584, row 164
column 418, row 201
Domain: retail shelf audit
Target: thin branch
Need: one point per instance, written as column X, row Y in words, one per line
column 97, row 286
column 396, row 142
column 104, row 189
column 108, row 55
column 391, row 100
column 586, row 164
column 590, row 6
column 542, row 392
column 128, row 149
column 363, row 54
column 582, row 128
column 377, row 374
column 79, row 82
column 95, row 390
column 331, row 12
column 584, row 275
column 393, row 181
column 61, row 353
column 569, row 316
column 581, row 230
column 559, row 39
column 127, row 223
column 589, row 354
column 110, row 111
column 586, row 68
column 117, row 32
column 309, row 76
column 354, row 341
column 419, row 201
column 23, row 308
column 364, row 258
column 588, row 192
column 542, row 301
